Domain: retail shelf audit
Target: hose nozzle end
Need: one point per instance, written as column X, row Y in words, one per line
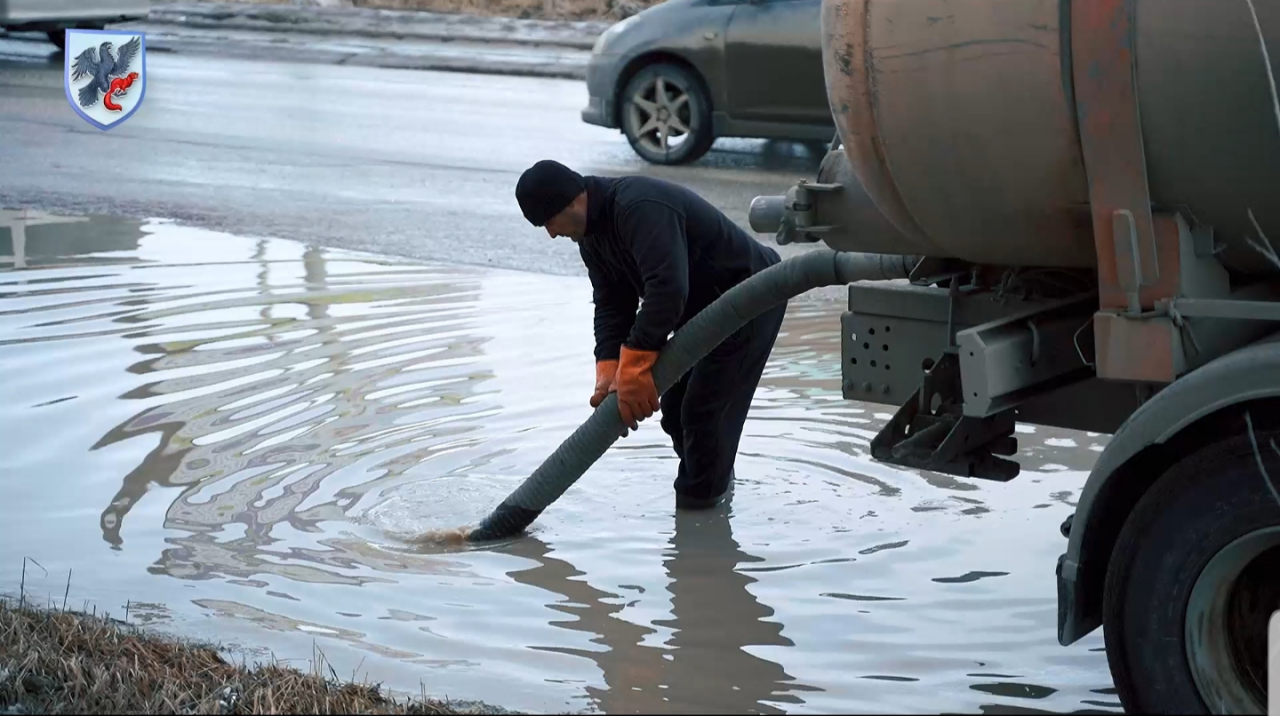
column 506, row 520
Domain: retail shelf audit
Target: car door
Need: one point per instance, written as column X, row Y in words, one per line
column 773, row 62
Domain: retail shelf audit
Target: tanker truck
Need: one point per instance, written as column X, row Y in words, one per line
column 1091, row 185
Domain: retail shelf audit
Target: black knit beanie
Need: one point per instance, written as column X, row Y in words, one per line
column 545, row 189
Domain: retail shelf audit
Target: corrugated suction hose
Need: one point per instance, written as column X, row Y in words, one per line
column 697, row 338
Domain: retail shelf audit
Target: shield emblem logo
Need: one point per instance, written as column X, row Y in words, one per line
column 105, row 75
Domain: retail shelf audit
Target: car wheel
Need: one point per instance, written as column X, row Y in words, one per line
column 59, row 38
column 666, row 115
column 1191, row 584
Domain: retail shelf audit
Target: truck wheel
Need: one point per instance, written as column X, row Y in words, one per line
column 666, row 115
column 1192, row 584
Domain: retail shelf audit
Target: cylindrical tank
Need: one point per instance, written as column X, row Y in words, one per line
column 958, row 120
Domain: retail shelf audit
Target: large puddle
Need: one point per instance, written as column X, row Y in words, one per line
column 235, row 439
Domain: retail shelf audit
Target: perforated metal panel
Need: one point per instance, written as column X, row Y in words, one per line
column 892, row 332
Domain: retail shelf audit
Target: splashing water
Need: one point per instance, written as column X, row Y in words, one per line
column 453, row 537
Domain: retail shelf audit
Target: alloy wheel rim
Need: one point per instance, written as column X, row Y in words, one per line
column 660, row 111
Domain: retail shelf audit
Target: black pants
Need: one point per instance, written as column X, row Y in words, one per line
column 705, row 411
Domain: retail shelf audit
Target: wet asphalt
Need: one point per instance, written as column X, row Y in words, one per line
column 414, row 163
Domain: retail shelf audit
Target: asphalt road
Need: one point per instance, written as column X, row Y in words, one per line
column 405, row 162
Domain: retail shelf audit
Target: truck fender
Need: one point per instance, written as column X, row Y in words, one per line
column 1139, row 452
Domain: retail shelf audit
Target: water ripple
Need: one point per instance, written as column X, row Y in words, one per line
column 250, row 434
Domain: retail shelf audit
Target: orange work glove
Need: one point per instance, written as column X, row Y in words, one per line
column 637, row 395
column 606, row 372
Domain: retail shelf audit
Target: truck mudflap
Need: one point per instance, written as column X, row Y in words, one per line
column 1245, row 375
column 1072, row 622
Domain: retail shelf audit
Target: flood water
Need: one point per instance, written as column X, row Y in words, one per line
column 238, row 438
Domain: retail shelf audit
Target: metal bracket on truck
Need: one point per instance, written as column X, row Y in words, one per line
column 1184, row 416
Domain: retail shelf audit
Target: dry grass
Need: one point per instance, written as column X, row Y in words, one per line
column 525, row 9
column 55, row 661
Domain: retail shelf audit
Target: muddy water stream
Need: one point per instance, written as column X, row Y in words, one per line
column 237, row 438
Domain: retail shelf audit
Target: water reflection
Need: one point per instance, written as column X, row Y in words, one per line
column 239, row 431
column 31, row 238
column 279, row 404
column 706, row 665
column 260, row 394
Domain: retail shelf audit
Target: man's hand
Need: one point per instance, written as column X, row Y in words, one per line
column 637, row 394
column 606, row 374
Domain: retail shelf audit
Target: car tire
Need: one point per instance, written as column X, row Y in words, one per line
column 59, row 38
column 1190, row 585
column 663, row 102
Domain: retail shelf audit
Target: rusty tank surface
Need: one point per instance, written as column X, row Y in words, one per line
column 1094, row 186
column 965, row 129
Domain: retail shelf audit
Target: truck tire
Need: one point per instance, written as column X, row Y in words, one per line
column 1191, row 583
column 685, row 114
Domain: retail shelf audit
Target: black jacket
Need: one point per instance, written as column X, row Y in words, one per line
column 658, row 241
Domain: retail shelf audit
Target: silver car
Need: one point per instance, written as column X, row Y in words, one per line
column 54, row 16
column 682, row 73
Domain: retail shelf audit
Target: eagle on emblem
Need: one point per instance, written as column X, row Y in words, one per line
column 110, row 75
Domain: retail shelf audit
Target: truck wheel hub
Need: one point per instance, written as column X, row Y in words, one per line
column 1227, row 620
